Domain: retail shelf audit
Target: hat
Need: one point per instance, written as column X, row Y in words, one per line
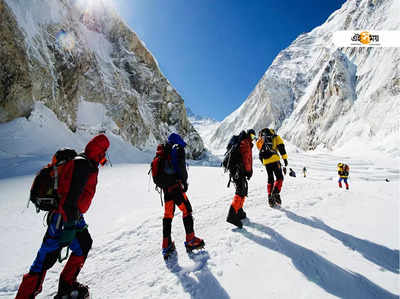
column 251, row 133
column 176, row 139
column 97, row 147
column 267, row 132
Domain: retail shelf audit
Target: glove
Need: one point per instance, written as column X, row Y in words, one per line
column 249, row 174
column 68, row 233
column 185, row 186
column 286, row 162
column 284, row 170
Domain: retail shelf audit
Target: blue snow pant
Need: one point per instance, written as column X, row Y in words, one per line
column 345, row 182
column 51, row 247
column 48, row 254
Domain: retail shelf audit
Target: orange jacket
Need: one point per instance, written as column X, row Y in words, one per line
column 245, row 148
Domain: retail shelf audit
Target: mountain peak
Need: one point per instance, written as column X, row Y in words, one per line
column 316, row 95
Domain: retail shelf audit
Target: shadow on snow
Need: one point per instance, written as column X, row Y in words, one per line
column 378, row 254
column 206, row 285
column 332, row 278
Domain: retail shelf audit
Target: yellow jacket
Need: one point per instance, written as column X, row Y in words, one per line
column 343, row 170
column 277, row 146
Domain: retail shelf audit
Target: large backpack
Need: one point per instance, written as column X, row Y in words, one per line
column 346, row 169
column 267, row 148
column 233, row 158
column 161, row 166
column 44, row 187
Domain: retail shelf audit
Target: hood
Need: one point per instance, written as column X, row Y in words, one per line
column 96, row 148
column 176, row 139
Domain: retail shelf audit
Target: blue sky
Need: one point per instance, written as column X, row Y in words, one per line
column 215, row 51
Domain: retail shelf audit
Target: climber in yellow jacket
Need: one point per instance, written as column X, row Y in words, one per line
column 343, row 173
column 271, row 146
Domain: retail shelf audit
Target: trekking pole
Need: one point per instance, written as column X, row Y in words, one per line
column 108, row 158
column 160, row 192
column 27, row 205
column 148, row 183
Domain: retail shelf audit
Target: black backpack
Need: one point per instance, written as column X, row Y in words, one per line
column 45, row 184
column 267, row 148
column 233, row 158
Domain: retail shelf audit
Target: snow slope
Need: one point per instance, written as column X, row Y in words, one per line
column 28, row 144
column 325, row 242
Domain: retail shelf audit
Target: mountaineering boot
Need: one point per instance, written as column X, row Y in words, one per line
column 241, row 214
column 193, row 243
column 76, row 291
column 80, row 290
column 277, row 198
column 271, row 200
column 340, row 184
column 233, row 218
column 170, row 249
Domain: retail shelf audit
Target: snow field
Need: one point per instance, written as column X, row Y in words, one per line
column 324, row 242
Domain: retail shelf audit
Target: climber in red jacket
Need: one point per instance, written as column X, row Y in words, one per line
column 66, row 225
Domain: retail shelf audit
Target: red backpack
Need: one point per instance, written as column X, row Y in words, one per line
column 160, row 163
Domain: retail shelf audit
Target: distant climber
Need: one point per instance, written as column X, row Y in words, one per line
column 343, row 172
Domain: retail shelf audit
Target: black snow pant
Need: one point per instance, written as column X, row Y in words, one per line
column 274, row 169
column 176, row 197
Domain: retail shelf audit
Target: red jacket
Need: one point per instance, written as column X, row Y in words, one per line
column 247, row 155
column 78, row 179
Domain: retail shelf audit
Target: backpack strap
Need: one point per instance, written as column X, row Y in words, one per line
column 55, row 178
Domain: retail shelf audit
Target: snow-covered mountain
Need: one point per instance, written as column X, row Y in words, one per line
column 204, row 125
column 319, row 95
column 85, row 64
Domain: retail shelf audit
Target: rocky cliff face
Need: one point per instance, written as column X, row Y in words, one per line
column 317, row 94
column 75, row 55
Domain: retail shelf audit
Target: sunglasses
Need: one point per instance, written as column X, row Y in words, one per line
column 106, row 159
column 103, row 161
